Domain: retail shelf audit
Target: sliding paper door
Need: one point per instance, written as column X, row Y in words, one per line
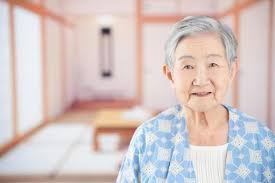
column 28, row 69
column 5, row 76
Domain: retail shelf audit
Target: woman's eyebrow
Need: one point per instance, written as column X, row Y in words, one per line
column 214, row 55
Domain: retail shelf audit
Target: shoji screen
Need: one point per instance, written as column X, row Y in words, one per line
column 254, row 60
column 54, row 64
column 157, row 92
column 5, row 76
column 228, row 20
column 28, row 68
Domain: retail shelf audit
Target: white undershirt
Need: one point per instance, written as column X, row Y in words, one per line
column 209, row 162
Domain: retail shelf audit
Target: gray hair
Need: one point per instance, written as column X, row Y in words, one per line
column 194, row 25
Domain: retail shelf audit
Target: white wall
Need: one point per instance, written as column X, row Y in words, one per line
column 54, row 6
column 152, row 7
column 28, row 69
column 253, row 60
column 157, row 92
column 53, row 55
column 5, row 76
column 197, row 7
column 122, row 7
column 223, row 5
column 70, row 66
column 90, row 83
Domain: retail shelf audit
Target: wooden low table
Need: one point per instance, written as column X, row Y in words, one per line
column 112, row 121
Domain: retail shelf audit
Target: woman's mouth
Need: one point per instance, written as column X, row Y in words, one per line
column 201, row 94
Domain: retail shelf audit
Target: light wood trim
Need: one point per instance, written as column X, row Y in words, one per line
column 13, row 70
column 42, row 3
column 63, row 68
column 75, row 54
column 227, row 12
column 246, row 4
column 161, row 19
column 270, row 64
column 63, row 62
column 38, row 9
column 168, row 19
column 139, row 53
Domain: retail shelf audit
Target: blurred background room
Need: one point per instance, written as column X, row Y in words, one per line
column 78, row 76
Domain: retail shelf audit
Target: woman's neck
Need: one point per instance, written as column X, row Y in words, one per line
column 211, row 119
column 207, row 128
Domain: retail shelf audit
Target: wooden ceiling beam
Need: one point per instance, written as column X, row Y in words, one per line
column 39, row 9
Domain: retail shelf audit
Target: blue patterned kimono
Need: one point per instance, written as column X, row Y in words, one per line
column 159, row 151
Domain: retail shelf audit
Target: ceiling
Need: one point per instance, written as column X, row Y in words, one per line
column 74, row 9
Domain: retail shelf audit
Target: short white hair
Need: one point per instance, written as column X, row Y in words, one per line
column 193, row 25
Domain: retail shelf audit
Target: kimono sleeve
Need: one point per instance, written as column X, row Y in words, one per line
column 272, row 162
column 130, row 168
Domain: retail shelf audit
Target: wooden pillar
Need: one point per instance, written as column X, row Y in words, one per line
column 139, row 72
column 13, row 69
column 271, row 65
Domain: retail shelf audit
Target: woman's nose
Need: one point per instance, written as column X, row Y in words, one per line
column 201, row 77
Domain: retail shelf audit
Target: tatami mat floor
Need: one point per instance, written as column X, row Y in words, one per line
column 61, row 152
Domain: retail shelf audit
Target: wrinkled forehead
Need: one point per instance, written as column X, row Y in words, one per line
column 204, row 44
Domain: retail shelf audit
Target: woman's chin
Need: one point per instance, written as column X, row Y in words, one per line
column 201, row 107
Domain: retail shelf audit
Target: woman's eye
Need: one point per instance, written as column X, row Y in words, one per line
column 213, row 65
column 188, row 67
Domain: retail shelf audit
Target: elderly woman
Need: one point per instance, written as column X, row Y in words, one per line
column 201, row 140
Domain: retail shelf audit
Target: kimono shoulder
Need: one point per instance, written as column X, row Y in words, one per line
column 251, row 150
column 153, row 139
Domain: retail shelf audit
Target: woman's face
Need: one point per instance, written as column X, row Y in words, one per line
column 201, row 74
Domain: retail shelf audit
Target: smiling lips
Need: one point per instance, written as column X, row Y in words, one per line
column 201, row 94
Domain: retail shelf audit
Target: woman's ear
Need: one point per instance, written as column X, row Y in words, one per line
column 168, row 73
column 234, row 68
